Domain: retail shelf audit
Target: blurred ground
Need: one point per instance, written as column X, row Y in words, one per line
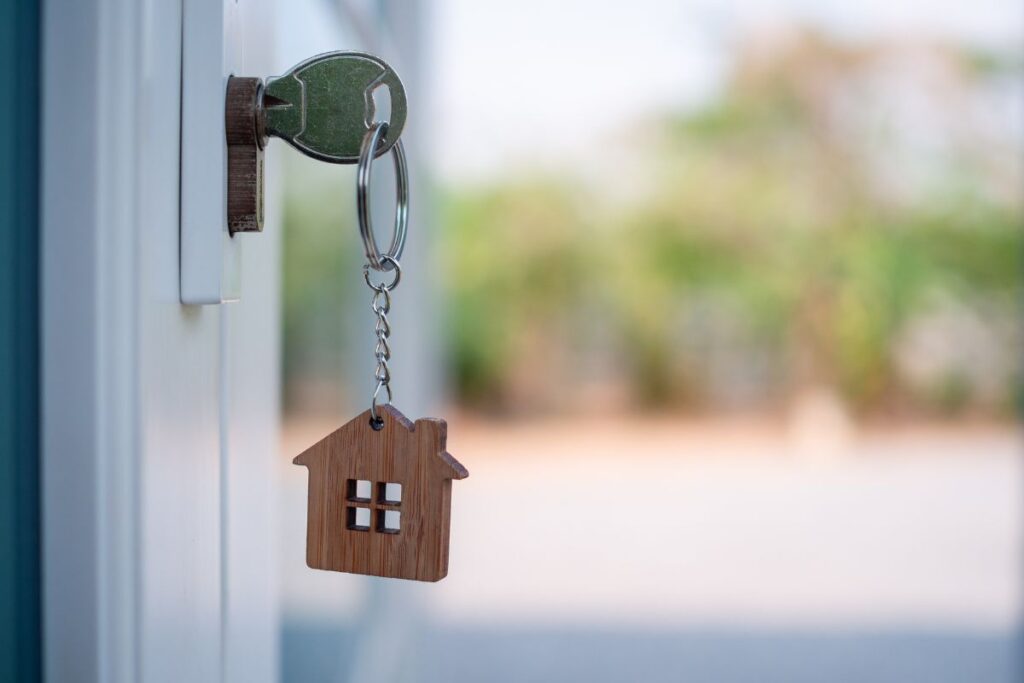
column 726, row 550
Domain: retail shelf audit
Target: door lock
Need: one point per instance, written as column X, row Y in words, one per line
column 321, row 107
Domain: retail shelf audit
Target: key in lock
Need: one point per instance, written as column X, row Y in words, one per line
column 322, row 107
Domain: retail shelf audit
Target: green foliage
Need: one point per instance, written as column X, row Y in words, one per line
column 785, row 236
column 761, row 203
column 518, row 256
column 319, row 259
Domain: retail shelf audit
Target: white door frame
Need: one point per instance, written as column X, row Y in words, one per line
column 159, row 420
column 90, row 398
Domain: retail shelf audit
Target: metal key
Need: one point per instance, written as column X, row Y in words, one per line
column 324, row 105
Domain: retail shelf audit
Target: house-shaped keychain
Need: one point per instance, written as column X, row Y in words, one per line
column 380, row 500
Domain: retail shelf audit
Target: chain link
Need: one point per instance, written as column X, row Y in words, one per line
column 380, row 304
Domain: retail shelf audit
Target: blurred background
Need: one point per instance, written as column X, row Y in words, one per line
column 722, row 303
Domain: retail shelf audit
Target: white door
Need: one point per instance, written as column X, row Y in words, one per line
column 160, row 419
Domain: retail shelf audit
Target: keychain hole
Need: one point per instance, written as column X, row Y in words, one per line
column 380, row 96
column 377, row 423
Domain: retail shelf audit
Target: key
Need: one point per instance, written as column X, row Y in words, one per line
column 324, row 105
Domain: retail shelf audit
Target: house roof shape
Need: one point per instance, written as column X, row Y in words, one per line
column 359, row 425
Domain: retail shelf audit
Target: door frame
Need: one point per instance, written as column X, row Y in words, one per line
column 158, row 420
column 89, row 314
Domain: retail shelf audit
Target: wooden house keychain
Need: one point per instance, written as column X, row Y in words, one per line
column 380, row 486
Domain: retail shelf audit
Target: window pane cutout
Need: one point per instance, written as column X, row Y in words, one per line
column 389, row 521
column 389, row 492
column 358, row 489
column 384, row 520
column 357, row 519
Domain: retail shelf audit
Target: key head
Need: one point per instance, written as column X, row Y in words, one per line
column 324, row 105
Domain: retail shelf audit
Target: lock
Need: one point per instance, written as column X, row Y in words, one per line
column 245, row 154
column 321, row 107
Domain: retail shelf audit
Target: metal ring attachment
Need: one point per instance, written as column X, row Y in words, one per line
column 388, row 262
column 371, row 141
column 376, row 421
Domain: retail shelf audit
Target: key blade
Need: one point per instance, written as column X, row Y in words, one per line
column 282, row 107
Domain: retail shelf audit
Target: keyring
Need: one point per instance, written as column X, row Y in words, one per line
column 371, row 141
column 389, row 263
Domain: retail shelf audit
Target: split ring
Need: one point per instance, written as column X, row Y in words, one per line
column 371, row 142
column 387, row 263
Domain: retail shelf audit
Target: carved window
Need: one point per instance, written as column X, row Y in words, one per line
column 381, row 509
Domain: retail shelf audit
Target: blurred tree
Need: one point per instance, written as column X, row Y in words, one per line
column 832, row 207
column 789, row 225
column 320, row 262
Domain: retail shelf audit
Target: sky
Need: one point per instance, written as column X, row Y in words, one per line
column 535, row 82
column 528, row 83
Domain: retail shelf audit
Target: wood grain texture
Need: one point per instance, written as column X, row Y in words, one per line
column 412, row 455
column 245, row 155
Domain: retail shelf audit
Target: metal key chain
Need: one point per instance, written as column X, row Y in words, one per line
column 381, row 302
column 381, row 306
column 380, row 486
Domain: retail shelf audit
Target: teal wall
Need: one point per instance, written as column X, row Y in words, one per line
column 20, row 624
